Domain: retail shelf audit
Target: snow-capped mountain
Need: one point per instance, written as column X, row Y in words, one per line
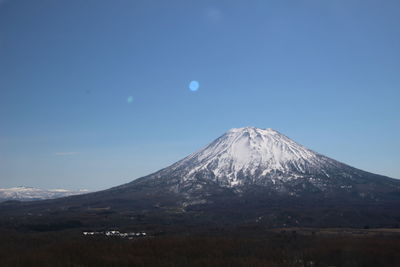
column 247, row 175
column 252, row 157
column 29, row 193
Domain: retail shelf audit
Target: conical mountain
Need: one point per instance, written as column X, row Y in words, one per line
column 249, row 157
column 247, row 175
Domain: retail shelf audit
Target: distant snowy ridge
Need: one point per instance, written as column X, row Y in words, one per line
column 29, row 193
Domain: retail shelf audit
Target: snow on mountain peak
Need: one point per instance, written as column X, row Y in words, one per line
column 250, row 153
column 249, row 146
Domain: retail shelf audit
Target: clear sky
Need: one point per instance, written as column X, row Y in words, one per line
column 95, row 93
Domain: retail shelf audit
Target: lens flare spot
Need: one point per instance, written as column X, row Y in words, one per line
column 194, row 86
column 129, row 99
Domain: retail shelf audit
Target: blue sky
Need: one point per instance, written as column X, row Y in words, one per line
column 96, row 93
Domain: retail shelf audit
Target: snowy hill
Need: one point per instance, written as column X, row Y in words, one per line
column 29, row 193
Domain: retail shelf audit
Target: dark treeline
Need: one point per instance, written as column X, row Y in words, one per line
column 281, row 248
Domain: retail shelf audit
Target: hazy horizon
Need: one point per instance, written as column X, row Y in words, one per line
column 95, row 94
